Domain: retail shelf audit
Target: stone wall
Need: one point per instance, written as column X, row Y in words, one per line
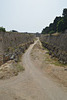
column 57, row 46
column 13, row 44
column 1, row 48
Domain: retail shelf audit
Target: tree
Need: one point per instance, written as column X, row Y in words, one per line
column 2, row 29
column 60, row 25
column 56, row 20
column 64, row 12
column 45, row 30
column 52, row 26
column 51, row 32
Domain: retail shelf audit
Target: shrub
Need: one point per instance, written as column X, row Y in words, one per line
column 2, row 29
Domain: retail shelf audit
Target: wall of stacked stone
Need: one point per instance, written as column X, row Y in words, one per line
column 13, row 44
column 1, row 48
column 57, row 46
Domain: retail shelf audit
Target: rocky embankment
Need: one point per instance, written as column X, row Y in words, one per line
column 57, row 46
column 12, row 45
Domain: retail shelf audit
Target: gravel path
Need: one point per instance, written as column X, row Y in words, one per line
column 31, row 84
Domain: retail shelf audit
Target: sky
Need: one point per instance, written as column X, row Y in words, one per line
column 29, row 15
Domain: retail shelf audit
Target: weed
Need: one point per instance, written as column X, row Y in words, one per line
column 19, row 67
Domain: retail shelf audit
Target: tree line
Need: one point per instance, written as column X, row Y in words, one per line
column 59, row 24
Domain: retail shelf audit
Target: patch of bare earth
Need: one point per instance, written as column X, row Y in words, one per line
column 10, row 69
column 51, row 67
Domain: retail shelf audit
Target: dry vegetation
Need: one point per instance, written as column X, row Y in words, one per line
column 10, row 69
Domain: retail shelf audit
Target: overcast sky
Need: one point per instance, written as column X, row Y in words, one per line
column 29, row 15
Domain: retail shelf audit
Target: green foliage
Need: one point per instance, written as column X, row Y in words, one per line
column 46, row 30
column 65, row 12
column 59, row 24
column 56, row 20
column 51, row 32
column 52, row 27
column 2, row 29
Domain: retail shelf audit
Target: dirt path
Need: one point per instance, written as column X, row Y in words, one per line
column 51, row 66
column 32, row 84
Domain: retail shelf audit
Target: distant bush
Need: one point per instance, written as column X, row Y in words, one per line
column 2, row 29
column 14, row 31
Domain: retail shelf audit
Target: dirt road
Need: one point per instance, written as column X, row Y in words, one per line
column 32, row 84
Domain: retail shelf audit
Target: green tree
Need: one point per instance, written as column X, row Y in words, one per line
column 2, row 29
column 60, row 25
column 56, row 20
column 64, row 12
column 65, row 18
column 45, row 30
